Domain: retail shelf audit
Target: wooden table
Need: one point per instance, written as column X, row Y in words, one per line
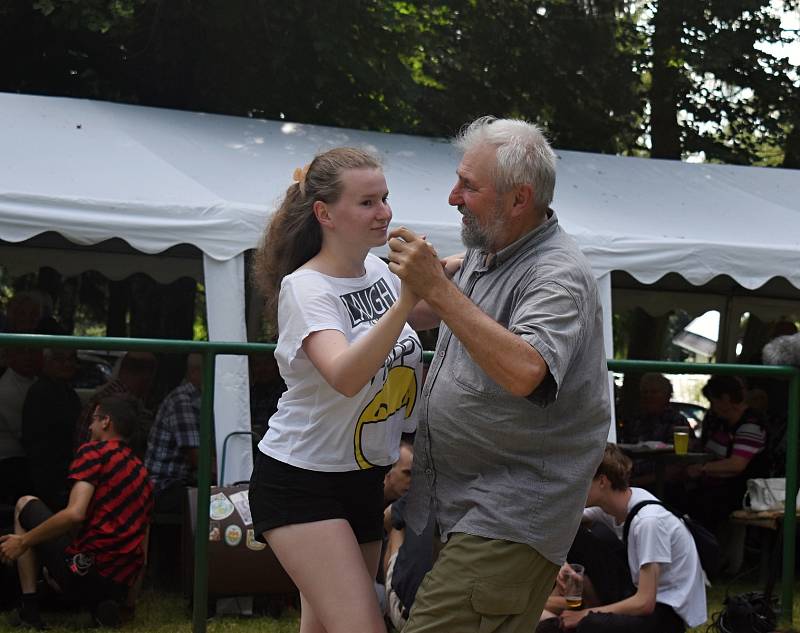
column 663, row 456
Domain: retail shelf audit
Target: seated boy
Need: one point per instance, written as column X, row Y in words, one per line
column 664, row 565
column 94, row 549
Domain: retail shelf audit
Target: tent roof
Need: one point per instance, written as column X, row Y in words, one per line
column 155, row 178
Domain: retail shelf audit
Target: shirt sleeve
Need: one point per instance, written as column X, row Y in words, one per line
column 87, row 465
column 592, row 514
column 651, row 538
column 748, row 441
column 184, row 421
column 305, row 306
column 549, row 317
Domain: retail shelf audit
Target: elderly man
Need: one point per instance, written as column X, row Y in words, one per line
column 656, row 419
column 515, row 410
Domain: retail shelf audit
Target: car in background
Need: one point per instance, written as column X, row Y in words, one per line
column 94, row 369
column 694, row 413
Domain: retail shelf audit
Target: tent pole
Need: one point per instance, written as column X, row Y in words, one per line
column 604, row 290
column 724, row 335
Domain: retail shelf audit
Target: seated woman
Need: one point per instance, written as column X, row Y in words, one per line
column 736, row 434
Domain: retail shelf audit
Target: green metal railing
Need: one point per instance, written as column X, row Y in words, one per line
column 210, row 350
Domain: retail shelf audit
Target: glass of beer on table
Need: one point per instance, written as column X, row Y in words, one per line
column 680, row 439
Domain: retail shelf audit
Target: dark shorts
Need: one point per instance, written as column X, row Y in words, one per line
column 281, row 494
column 75, row 578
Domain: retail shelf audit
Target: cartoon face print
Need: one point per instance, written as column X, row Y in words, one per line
column 399, row 393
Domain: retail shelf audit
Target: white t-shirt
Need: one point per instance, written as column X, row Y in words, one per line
column 316, row 427
column 658, row 536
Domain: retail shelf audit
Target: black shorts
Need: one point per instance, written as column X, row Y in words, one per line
column 74, row 575
column 281, row 494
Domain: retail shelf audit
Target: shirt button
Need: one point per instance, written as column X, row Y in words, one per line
column 441, row 354
column 428, row 471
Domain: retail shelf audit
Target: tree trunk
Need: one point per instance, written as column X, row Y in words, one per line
column 665, row 133
column 118, row 300
column 791, row 153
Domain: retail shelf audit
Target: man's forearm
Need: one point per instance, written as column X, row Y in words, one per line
column 505, row 357
column 58, row 524
column 555, row 604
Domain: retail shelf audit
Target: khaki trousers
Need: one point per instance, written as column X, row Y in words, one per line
column 481, row 585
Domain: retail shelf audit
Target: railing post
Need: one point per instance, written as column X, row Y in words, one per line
column 200, row 607
column 790, row 509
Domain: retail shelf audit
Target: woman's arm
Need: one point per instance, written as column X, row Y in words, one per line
column 347, row 367
column 728, row 467
column 423, row 316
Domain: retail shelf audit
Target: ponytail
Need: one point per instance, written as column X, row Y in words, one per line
column 293, row 235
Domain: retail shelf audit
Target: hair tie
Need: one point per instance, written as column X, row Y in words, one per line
column 299, row 176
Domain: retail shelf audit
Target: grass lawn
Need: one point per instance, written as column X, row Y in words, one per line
column 160, row 612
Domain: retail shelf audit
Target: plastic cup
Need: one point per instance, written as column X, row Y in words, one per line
column 680, row 440
column 573, row 592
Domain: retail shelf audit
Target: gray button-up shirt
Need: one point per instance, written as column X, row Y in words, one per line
column 506, row 467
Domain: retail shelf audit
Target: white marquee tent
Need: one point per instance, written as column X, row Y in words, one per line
column 90, row 171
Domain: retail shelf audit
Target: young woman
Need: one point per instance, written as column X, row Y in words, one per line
column 352, row 369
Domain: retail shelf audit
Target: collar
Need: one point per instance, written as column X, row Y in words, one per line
column 530, row 240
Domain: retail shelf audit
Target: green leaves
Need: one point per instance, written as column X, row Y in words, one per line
column 625, row 76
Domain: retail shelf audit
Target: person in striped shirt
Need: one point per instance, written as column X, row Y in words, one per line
column 94, row 549
column 736, row 435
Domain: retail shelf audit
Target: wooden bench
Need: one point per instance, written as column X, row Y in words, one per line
column 770, row 520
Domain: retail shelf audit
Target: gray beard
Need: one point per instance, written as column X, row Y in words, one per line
column 475, row 236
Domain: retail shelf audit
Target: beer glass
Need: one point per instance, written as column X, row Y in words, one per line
column 573, row 592
column 680, row 439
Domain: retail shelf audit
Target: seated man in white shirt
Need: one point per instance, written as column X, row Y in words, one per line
column 664, row 565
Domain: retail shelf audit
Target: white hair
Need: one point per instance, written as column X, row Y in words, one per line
column 524, row 157
column 782, row 350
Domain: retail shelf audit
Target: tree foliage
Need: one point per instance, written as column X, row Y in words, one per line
column 714, row 88
column 568, row 65
column 667, row 78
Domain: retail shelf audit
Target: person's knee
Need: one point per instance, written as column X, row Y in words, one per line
column 596, row 622
column 22, row 502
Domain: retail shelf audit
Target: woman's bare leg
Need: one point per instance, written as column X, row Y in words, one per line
column 333, row 573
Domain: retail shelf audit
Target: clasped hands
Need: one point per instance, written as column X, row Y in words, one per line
column 415, row 261
column 11, row 548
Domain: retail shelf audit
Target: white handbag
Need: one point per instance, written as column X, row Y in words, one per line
column 766, row 494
